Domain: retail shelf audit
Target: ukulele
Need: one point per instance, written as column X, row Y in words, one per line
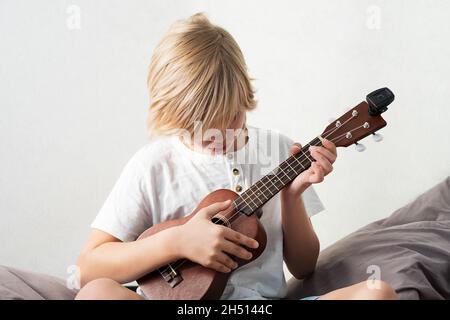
column 186, row 280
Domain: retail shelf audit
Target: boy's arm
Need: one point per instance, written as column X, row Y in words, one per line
column 105, row 256
column 300, row 244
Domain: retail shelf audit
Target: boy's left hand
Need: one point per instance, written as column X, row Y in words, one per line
column 325, row 157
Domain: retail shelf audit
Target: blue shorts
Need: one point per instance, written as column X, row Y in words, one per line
column 310, row 298
column 142, row 294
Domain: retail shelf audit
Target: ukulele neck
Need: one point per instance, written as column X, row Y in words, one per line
column 269, row 185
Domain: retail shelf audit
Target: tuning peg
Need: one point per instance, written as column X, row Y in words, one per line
column 359, row 147
column 377, row 137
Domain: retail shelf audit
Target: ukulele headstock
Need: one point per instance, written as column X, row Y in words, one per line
column 360, row 121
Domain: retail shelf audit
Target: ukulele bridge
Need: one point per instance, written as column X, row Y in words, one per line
column 171, row 276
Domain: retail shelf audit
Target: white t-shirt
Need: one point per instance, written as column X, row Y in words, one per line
column 166, row 180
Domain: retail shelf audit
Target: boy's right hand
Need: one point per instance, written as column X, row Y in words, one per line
column 209, row 244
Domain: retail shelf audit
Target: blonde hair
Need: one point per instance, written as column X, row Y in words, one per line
column 197, row 73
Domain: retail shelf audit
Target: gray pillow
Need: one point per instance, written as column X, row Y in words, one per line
column 16, row 284
column 411, row 249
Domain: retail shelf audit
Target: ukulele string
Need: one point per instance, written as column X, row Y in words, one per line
column 238, row 212
column 338, row 126
column 334, row 140
column 326, row 135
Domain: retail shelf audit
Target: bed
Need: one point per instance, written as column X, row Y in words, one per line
column 410, row 250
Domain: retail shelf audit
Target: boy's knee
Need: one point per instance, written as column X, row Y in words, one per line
column 377, row 290
column 96, row 289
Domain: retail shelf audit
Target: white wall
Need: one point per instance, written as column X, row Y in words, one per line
column 73, row 104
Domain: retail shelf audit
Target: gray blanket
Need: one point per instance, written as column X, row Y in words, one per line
column 410, row 250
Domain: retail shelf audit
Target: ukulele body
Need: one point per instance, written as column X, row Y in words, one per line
column 192, row 281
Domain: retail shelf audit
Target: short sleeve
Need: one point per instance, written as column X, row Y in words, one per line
column 311, row 200
column 313, row 204
column 125, row 213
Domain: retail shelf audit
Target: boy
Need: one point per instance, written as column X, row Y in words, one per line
column 198, row 81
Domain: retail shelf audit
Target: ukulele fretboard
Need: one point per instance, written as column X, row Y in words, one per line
column 269, row 185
